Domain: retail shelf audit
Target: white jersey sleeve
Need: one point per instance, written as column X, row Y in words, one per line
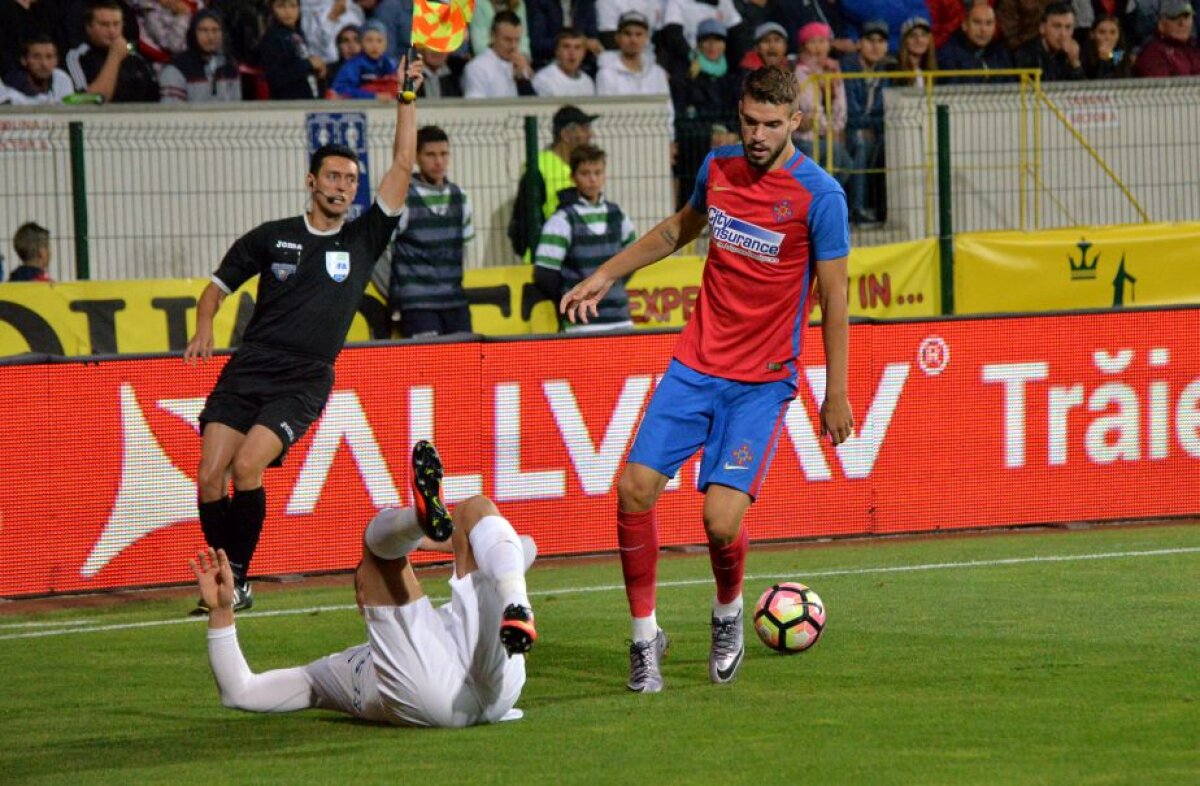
column 280, row 690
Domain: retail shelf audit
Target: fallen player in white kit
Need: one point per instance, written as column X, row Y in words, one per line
column 457, row 665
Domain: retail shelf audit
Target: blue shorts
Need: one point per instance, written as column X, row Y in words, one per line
column 737, row 424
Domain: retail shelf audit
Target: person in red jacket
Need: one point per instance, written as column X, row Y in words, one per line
column 1169, row 52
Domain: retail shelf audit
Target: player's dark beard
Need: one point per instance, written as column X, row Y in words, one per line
column 771, row 159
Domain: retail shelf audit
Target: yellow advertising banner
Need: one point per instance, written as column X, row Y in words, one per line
column 1086, row 267
column 130, row 317
column 895, row 281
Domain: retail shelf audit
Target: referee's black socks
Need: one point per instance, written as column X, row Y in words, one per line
column 214, row 522
column 245, row 519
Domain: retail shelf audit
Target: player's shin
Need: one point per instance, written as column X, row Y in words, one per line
column 729, row 568
column 393, row 533
column 637, row 535
column 499, row 554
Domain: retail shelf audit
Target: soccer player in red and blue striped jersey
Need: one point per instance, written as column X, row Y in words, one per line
column 777, row 222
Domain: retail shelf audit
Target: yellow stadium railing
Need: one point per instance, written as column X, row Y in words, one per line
column 1030, row 100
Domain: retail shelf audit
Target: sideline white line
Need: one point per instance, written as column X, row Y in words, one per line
column 664, row 584
column 47, row 624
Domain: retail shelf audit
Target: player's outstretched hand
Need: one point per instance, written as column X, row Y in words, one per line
column 584, row 298
column 215, row 578
column 199, row 348
column 837, row 421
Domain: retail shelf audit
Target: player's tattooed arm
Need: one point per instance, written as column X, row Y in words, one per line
column 665, row 239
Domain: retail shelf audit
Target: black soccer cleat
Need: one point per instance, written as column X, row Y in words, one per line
column 243, row 598
column 517, row 632
column 427, row 492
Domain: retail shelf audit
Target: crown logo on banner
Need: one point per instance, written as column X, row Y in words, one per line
column 1082, row 269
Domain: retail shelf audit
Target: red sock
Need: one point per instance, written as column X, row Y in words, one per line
column 729, row 566
column 637, row 534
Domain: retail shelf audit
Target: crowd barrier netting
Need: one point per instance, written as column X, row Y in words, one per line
column 961, row 423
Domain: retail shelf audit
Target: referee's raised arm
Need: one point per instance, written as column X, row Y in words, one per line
column 393, row 189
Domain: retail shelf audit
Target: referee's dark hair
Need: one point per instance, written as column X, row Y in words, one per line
column 330, row 151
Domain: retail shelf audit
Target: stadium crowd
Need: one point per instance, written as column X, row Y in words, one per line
column 695, row 51
column 229, row 50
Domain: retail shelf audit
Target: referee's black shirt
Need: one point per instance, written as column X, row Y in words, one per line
column 310, row 284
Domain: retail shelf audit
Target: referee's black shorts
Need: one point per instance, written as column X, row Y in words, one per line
column 280, row 390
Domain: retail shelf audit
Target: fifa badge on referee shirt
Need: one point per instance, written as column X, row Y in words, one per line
column 337, row 264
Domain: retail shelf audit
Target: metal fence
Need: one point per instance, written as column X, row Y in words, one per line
column 1046, row 156
column 162, row 193
column 166, row 190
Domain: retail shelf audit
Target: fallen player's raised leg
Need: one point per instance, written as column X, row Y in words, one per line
column 485, row 541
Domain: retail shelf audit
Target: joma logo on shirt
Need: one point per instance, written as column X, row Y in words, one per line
column 742, row 237
column 288, row 245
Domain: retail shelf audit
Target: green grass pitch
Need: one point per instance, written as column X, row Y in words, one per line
column 1010, row 658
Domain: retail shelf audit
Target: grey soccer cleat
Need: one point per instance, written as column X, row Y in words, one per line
column 728, row 648
column 645, row 663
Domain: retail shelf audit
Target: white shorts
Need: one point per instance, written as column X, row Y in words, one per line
column 424, row 666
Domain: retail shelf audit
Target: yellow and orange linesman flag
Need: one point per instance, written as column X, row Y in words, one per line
column 441, row 25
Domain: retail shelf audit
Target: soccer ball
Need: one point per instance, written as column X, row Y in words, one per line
column 789, row 617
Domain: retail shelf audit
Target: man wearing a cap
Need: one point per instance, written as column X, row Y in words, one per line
column 572, row 130
column 609, row 13
column 709, row 92
column 864, row 113
column 690, row 13
column 676, row 41
column 1170, row 52
column 893, row 12
column 770, row 48
column 1055, row 50
column 791, row 14
column 631, row 70
column 778, row 223
column 707, row 103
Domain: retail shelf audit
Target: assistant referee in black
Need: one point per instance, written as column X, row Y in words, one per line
column 312, row 272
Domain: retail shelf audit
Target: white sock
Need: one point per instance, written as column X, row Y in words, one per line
column 529, row 551
column 393, row 533
column 644, row 628
column 727, row 609
column 499, row 554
